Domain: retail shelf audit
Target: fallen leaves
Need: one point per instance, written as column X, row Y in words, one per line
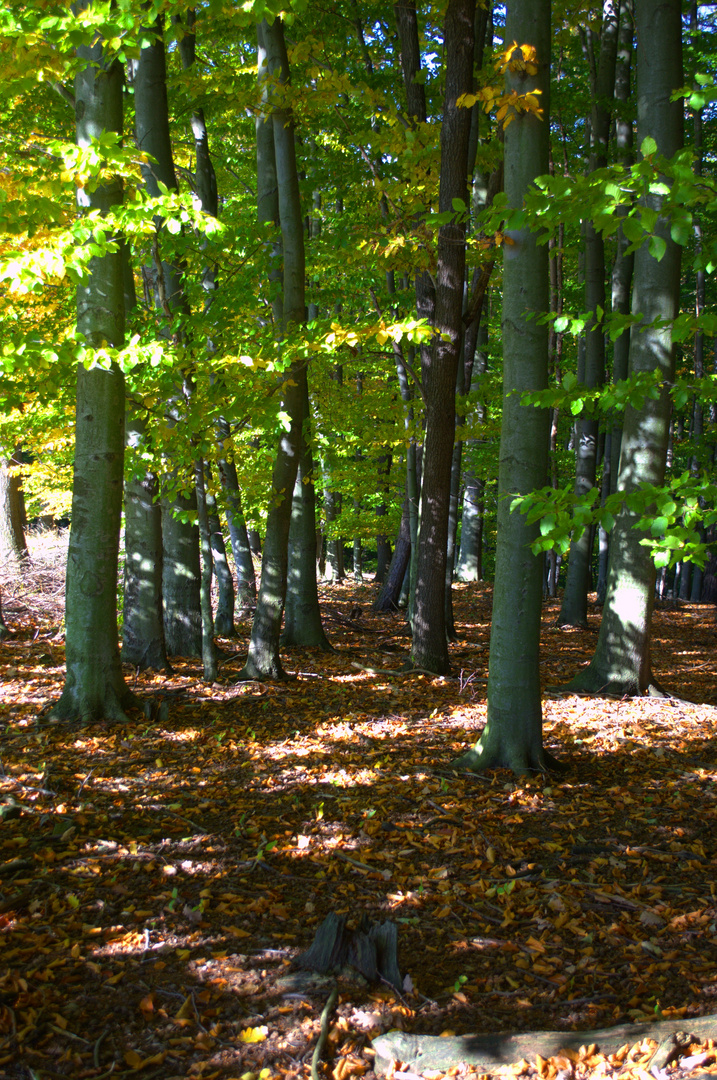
column 157, row 880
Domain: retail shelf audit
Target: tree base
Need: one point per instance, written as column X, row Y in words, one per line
column 111, row 707
column 521, row 763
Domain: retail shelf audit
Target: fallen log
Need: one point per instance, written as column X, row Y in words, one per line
column 421, row 1053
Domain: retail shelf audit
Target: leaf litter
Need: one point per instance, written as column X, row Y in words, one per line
column 157, row 880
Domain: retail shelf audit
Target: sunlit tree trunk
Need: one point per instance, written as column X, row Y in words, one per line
column 439, row 370
column 94, row 688
column 621, row 663
column 512, row 737
column 13, row 546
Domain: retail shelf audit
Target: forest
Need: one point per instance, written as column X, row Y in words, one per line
column 358, row 414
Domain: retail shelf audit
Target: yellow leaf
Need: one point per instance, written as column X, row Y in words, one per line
column 133, row 1059
column 254, row 1035
column 75, row 951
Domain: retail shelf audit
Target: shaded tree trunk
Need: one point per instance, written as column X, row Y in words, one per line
column 574, row 608
column 512, row 737
column 263, row 660
column 439, row 369
column 181, row 579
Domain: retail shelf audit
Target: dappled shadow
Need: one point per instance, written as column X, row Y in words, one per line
column 167, row 874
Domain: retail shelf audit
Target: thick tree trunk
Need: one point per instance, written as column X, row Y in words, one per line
column 429, row 648
column 94, row 688
column 181, row 577
column 512, row 737
column 621, row 663
column 143, row 642
column 143, row 625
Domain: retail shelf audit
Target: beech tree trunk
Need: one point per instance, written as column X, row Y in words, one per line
column 430, row 648
column 621, row 663
column 94, row 688
column 574, row 608
column 181, row 580
column 263, row 661
column 512, row 737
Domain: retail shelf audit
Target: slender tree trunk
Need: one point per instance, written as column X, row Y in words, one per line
column 224, row 616
column 388, row 598
column 512, row 737
column 181, row 580
column 621, row 663
column 209, row 656
column 429, row 649
column 13, row 546
column 302, row 617
column 263, row 660
column 574, row 608
column 94, row 688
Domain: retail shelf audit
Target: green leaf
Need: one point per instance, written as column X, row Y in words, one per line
column 648, row 146
column 657, row 247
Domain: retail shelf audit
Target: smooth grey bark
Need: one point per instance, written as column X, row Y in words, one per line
column 94, row 688
column 512, row 737
column 263, row 661
column 574, row 608
column 440, row 364
column 207, row 197
column 407, row 25
column 224, row 615
column 302, row 616
column 143, row 642
column 621, row 663
column 624, row 264
column 209, row 654
column 181, row 578
column 4, row 630
column 238, row 534
column 470, row 554
column 143, row 624
column 181, row 575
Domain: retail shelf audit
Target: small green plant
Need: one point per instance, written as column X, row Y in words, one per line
column 460, row 983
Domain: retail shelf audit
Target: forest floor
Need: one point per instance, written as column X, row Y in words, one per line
column 158, row 880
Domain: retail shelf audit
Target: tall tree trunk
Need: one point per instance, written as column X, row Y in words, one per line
column 263, row 661
column 143, row 642
column 94, row 688
column 302, row 617
column 181, row 580
column 429, row 648
column 512, row 737
column 574, row 608
column 621, row 663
